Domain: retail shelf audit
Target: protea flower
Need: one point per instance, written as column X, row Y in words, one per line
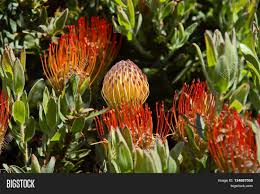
column 258, row 119
column 84, row 51
column 4, row 116
column 138, row 119
column 130, row 144
column 124, row 83
column 194, row 100
column 232, row 144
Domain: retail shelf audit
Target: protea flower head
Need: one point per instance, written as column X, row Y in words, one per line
column 123, row 83
column 85, row 51
column 138, row 119
column 194, row 100
column 232, row 144
column 4, row 117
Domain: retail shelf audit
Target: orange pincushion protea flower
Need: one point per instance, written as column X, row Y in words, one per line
column 124, row 83
column 4, row 116
column 232, row 143
column 137, row 118
column 194, row 99
column 84, row 51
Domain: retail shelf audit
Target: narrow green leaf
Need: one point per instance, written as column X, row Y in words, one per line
column 131, row 13
column 29, row 129
column 23, row 58
column 52, row 114
column 210, row 50
column 19, row 80
column 61, row 20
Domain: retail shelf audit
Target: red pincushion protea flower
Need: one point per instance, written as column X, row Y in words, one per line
column 85, row 51
column 194, row 99
column 231, row 143
column 4, row 116
column 137, row 118
column 258, row 119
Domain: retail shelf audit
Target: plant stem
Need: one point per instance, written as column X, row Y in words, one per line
column 141, row 50
column 25, row 151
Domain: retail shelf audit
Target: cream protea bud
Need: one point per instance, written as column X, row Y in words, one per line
column 125, row 82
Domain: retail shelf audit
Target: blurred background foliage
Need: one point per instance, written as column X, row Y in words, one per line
column 157, row 35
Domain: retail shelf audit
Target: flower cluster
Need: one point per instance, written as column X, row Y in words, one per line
column 194, row 100
column 231, row 142
column 138, row 119
column 4, row 116
column 85, row 51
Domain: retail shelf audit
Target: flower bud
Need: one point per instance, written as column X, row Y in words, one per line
column 123, row 83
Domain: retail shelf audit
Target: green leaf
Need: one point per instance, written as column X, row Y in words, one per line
column 19, row 112
column 200, row 126
column 29, row 129
column 128, row 138
column 156, row 160
column 256, row 130
column 61, row 20
column 35, row 95
column 172, row 165
column 177, row 149
column 26, row 105
column 56, row 137
column 19, row 80
column 124, row 159
column 78, row 125
column 95, row 113
column 23, row 58
column 52, row 114
column 168, row 9
column 143, row 162
column 250, row 56
column 42, row 121
column 210, row 50
column 119, row 2
column 139, row 23
column 35, row 166
column 50, row 166
column 123, row 19
column 45, row 99
column 131, row 12
column 239, row 97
